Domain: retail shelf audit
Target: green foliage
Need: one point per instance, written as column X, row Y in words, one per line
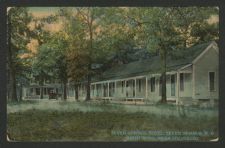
column 50, row 60
column 18, row 21
column 172, row 29
column 108, row 36
column 175, row 27
column 89, row 39
column 44, row 60
column 39, row 33
column 18, row 38
column 205, row 32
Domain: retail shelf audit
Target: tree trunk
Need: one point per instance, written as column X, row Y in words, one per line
column 41, row 89
column 88, row 97
column 12, row 79
column 64, row 91
column 12, row 74
column 12, row 85
column 163, row 75
column 41, row 92
column 21, row 93
column 163, row 99
column 76, row 92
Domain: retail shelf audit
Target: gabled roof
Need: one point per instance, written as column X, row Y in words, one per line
column 152, row 65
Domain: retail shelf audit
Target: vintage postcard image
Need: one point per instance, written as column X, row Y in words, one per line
column 112, row 74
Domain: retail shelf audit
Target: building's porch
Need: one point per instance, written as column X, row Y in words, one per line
column 145, row 88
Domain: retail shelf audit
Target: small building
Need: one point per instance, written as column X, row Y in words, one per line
column 191, row 79
column 34, row 91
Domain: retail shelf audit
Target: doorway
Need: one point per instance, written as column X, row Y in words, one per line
column 172, row 85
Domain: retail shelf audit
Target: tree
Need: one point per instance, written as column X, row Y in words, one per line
column 164, row 30
column 96, row 26
column 160, row 36
column 77, row 68
column 42, row 36
column 60, row 45
column 54, row 65
column 74, row 58
column 191, row 21
column 80, row 26
column 42, row 65
column 98, row 35
column 18, row 37
column 87, row 17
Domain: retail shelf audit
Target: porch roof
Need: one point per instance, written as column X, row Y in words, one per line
column 152, row 65
column 45, row 85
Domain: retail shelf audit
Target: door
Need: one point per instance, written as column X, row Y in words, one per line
column 105, row 90
column 127, row 88
column 133, row 88
column 172, row 85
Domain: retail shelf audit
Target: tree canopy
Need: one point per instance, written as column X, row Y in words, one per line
column 90, row 36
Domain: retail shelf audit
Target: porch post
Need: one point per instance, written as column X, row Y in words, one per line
column 80, row 90
column 178, row 88
column 193, row 82
column 146, row 88
column 125, row 90
column 108, row 89
column 135, row 87
column 115, row 91
column 102, row 90
column 24, row 92
column 95, row 91
column 40, row 92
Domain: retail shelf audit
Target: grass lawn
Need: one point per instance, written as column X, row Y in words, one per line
column 113, row 123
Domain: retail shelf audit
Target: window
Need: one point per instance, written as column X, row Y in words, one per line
column 93, row 89
column 98, row 87
column 37, row 91
column 112, row 88
column 181, row 82
column 31, row 90
column 45, row 91
column 127, row 85
column 133, row 88
column 211, row 81
column 152, row 81
column 113, row 85
column 139, row 85
column 122, row 86
column 105, row 89
column 172, row 85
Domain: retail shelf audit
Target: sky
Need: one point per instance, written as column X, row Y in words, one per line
column 42, row 11
column 54, row 27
